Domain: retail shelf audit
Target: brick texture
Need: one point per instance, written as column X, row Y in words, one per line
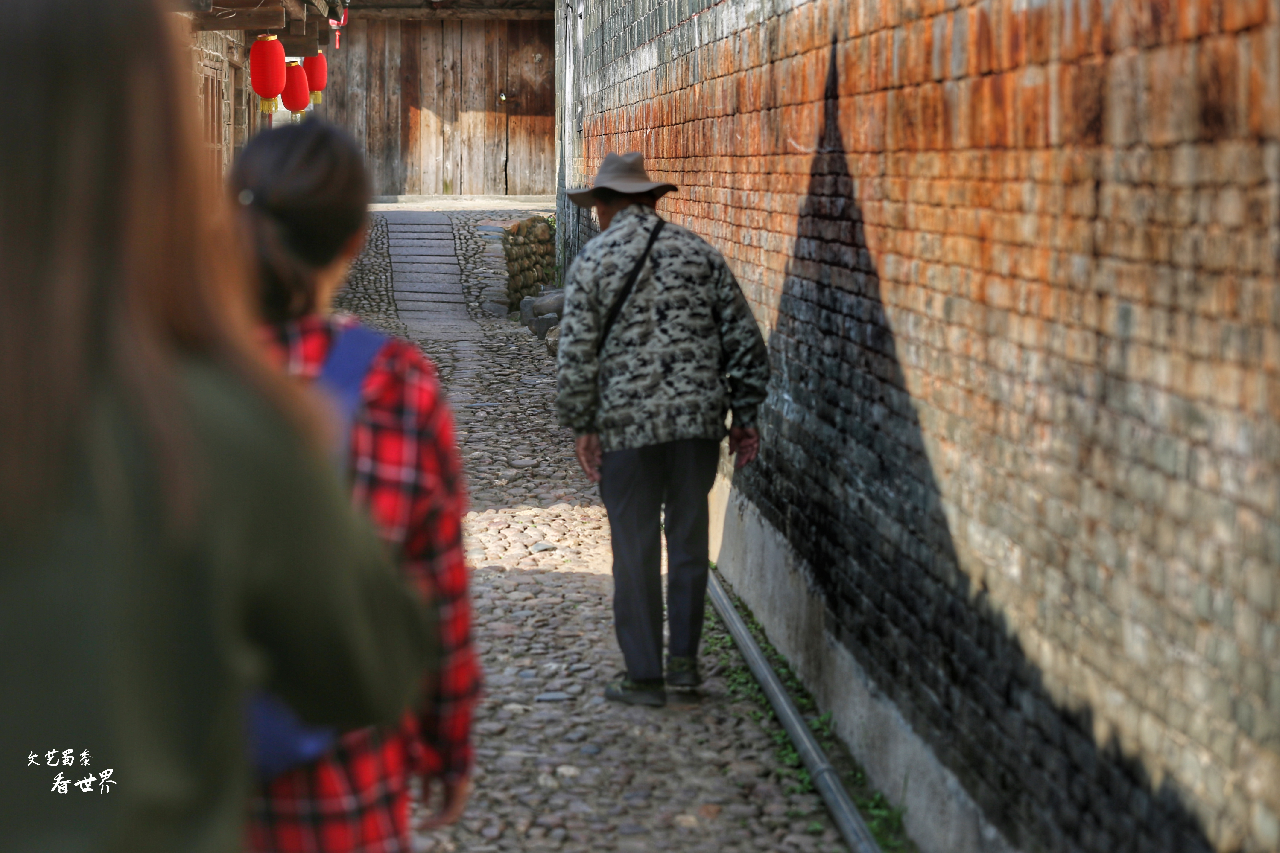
column 1016, row 263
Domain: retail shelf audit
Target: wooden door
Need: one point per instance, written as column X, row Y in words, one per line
column 240, row 110
column 531, row 104
column 211, row 120
column 453, row 107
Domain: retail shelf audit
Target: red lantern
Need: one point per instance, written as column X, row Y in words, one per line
column 297, row 94
column 317, row 68
column 266, row 70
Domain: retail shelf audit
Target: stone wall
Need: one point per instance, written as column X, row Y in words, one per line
column 1016, row 264
column 529, row 247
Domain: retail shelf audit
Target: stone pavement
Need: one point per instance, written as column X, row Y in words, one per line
column 426, row 277
column 559, row 768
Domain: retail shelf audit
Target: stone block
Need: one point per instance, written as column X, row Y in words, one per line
column 549, row 303
column 1123, row 101
column 1242, row 14
column 1083, row 100
column 1222, row 113
column 541, row 325
column 526, row 310
column 1172, row 107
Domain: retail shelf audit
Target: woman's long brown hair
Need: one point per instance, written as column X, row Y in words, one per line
column 116, row 252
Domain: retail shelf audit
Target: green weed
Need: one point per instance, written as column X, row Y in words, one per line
column 884, row 821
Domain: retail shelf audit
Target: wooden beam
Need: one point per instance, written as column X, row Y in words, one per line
column 321, row 6
column 259, row 19
column 453, row 5
column 299, row 45
column 297, row 10
column 418, row 14
column 246, row 5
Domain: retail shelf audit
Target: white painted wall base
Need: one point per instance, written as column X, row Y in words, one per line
column 775, row 583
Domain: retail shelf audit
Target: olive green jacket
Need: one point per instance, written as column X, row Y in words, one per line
column 137, row 647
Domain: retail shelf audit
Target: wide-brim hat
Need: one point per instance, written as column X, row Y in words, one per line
column 622, row 173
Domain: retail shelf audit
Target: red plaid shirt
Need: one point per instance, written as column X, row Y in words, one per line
column 407, row 476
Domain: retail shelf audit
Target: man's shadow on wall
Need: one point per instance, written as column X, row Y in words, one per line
column 844, row 475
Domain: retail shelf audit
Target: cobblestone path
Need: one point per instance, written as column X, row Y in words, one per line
column 558, row 767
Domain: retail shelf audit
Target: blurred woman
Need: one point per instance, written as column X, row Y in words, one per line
column 169, row 535
column 303, row 193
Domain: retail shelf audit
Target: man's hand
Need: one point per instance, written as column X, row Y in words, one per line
column 744, row 443
column 452, row 802
column 589, row 455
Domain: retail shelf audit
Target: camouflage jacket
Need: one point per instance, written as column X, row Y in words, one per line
column 684, row 351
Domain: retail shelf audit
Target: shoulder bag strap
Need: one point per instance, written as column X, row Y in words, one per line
column 616, row 309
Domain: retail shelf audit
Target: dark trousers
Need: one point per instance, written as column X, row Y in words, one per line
column 635, row 485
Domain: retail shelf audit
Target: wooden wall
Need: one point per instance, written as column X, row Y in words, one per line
column 425, row 99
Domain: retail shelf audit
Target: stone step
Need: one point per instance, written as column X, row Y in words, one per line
column 416, row 217
column 418, row 281
column 448, row 272
column 423, row 308
column 417, row 319
column 417, row 288
column 438, row 255
column 421, row 236
column 421, row 232
column 421, row 301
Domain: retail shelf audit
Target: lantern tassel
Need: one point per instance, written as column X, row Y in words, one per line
column 268, row 105
column 317, row 97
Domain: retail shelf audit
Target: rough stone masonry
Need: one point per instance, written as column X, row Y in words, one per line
column 530, row 255
column 1016, row 262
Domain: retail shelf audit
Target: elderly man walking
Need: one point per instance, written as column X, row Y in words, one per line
column 657, row 346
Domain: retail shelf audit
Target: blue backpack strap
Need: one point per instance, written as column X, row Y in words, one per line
column 350, row 358
column 278, row 739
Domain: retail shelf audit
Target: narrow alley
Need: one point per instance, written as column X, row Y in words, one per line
column 557, row 766
column 936, row 344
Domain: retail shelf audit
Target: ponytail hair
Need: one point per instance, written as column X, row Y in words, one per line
column 303, row 192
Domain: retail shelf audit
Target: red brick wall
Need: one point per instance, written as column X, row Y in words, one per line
column 1017, row 265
